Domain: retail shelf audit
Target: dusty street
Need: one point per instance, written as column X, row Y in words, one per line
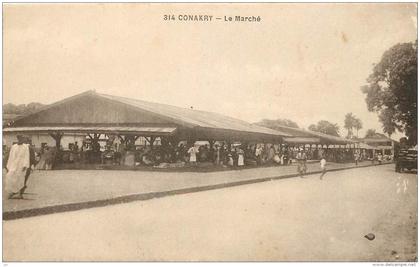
column 284, row 220
column 61, row 187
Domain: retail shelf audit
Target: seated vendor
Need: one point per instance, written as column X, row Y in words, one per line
column 108, row 154
column 147, row 159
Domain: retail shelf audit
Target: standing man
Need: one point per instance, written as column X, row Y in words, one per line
column 301, row 161
column 380, row 158
column 323, row 164
column 217, row 154
column 49, row 157
column 258, row 154
column 17, row 165
column 32, row 162
column 356, row 157
column 193, row 151
column 241, row 159
column 305, row 157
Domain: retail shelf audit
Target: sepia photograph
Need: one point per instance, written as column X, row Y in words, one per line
column 210, row 132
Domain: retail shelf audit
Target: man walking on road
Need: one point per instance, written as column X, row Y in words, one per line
column 323, row 163
column 301, row 161
column 31, row 163
column 16, row 167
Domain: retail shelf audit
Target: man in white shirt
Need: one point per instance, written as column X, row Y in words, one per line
column 323, row 163
column 193, row 151
column 258, row 154
column 17, row 164
column 301, row 161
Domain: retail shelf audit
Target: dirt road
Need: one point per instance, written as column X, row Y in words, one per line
column 284, row 220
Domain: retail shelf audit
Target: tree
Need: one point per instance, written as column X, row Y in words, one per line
column 388, row 125
column 31, row 107
column 276, row 124
column 10, row 109
column 22, row 108
column 358, row 125
column 370, row 133
column 325, row 127
column 350, row 123
column 392, row 90
column 349, row 120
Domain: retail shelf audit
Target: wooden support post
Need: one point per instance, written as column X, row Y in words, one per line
column 164, row 141
column 229, row 146
column 57, row 137
column 173, row 140
column 245, row 144
column 130, row 140
column 191, row 141
column 211, row 142
column 97, row 137
column 151, row 140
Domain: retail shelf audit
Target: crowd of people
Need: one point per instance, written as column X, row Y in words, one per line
column 183, row 153
column 224, row 154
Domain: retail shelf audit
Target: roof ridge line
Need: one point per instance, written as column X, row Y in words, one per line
column 149, row 102
column 193, row 110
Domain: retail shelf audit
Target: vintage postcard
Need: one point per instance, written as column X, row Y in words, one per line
column 279, row 132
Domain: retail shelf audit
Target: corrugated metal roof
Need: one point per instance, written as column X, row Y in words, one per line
column 302, row 140
column 377, row 140
column 365, row 146
column 384, row 147
column 160, row 130
column 324, row 137
column 194, row 117
column 198, row 118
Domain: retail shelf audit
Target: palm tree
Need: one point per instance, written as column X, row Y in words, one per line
column 358, row 125
column 349, row 121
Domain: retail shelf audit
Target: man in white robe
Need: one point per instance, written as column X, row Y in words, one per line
column 193, row 154
column 17, row 165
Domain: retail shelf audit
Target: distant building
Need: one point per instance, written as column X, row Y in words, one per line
column 380, row 143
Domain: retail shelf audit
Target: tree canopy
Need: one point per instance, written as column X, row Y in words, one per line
column 350, row 123
column 274, row 124
column 21, row 109
column 392, row 90
column 370, row 133
column 325, row 127
column 358, row 125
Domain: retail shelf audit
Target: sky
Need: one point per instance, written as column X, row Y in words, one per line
column 303, row 62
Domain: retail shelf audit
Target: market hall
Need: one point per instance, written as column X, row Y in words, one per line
column 93, row 130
